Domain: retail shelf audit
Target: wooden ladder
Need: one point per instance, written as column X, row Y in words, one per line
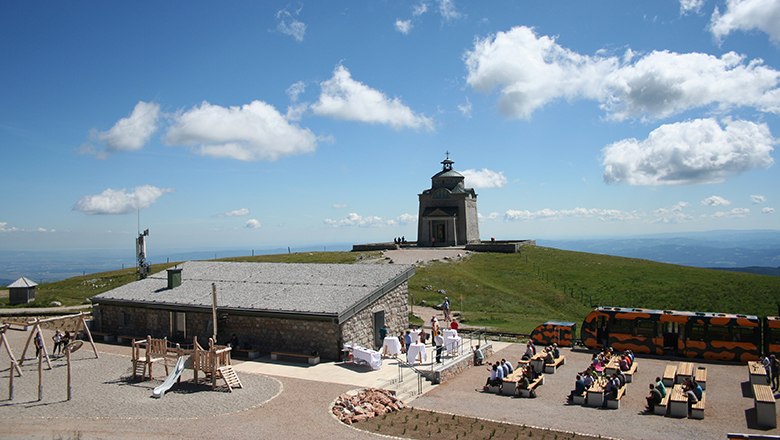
column 139, row 369
column 230, row 376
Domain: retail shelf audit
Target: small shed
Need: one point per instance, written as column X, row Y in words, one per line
column 21, row 291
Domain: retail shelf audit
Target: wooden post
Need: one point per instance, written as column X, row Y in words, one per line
column 89, row 335
column 70, row 388
column 26, row 346
column 214, row 311
column 11, row 381
column 14, row 364
column 40, row 375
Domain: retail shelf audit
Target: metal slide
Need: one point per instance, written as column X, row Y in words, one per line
column 172, row 378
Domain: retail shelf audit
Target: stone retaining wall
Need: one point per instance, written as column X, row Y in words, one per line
column 454, row 369
column 506, row 247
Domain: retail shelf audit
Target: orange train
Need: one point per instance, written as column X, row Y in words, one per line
column 717, row 336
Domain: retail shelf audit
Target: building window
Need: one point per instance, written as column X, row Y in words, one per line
column 178, row 325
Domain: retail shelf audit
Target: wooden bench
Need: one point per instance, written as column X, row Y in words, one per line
column 532, row 386
column 701, row 377
column 311, row 359
column 669, row 373
column 631, row 371
column 105, row 337
column 764, row 402
column 550, row 368
column 245, row 353
column 697, row 409
column 661, row 408
column 757, row 373
column 615, row 403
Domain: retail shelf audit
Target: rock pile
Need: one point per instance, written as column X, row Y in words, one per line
column 355, row 406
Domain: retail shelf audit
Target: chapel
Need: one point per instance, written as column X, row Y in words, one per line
column 448, row 210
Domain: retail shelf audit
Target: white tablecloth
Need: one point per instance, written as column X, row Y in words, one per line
column 414, row 351
column 415, row 335
column 449, row 333
column 391, row 345
column 452, row 343
column 368, row 356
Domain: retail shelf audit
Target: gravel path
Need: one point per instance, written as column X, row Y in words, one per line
column 729, row 406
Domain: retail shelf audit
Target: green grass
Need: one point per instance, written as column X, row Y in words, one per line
column 516, row 292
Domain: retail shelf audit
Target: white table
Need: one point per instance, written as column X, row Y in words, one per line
column 416, row 351
column 391, row 345
column 452, row 343
column 449, row 333
column 415, row 335
column 365, row 355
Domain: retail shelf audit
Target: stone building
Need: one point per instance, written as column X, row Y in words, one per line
column 297, row 308
column 21, row 291
column 448, row 210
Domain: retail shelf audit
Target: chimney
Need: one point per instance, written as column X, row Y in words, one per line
column 174, row 277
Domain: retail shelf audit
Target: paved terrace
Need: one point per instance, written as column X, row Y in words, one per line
column 293, row 401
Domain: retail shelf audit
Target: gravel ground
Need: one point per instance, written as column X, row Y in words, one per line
column 729, row 405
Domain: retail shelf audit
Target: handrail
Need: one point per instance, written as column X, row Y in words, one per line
column 401, row 363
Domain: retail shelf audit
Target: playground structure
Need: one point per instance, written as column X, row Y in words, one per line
column 214, row 363
column 76, row 321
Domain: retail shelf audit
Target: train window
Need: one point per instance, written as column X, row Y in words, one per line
column 718, row 333
column 624, row 326
column 645, row 327
column 744, row 334
column 697, row 332
column 774, row 335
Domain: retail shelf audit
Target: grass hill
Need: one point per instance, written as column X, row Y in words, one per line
column 516, row 292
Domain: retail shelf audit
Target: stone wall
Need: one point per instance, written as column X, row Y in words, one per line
column 359, row 329
column 454, row 369
column 131, row 321
column 499, row 246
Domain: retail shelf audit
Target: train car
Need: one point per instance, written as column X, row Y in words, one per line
column 559, row 332
column 772, row 335
column 717, row 336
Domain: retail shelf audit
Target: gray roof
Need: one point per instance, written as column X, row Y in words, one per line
column 22, row 282
column 333, row 290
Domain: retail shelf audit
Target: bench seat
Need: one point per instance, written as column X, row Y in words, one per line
column 669, row 372
column 631, row 371
column 245, row 353
column 311, row 359
column 697, row 409
column 532, row 386
column 615, row 403
column 579, row 399
column 701, row 377
column 660, row 409
column 550, row 368
column 764, row 402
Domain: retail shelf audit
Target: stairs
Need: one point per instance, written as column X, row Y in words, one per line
column 139, row 369
column 408, row 390
column 231, row 378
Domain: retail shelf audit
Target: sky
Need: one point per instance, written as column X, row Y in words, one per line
column 264, row 124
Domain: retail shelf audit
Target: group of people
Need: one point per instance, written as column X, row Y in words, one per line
column 693, row 392
column 61, row 340
column 399, row 240
column 500, row 370
column 594, row 371
column 772, row 367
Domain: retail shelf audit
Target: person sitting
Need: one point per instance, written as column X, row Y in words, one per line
column 654, row 398
column 623, row 363
column 696, row 388
column 504, row 367
column 588, row 380
column 579, row 386
column 530, row 351
column 690, row 394
column 611, row 390
column 523, row 383
column 479, row 357
column 548, row 357
column 631, row 355
column 659, row 385
column 510, row 368
column 493, row 369
column 621, row 376
column 555, row 351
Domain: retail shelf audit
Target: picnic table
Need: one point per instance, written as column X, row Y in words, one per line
column 684, row 371
column 596, row 394
column 678, row 402
column 764, row 402
column 757, row 373
column 612, row 366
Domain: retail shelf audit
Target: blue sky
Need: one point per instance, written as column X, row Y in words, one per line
column 264, row 124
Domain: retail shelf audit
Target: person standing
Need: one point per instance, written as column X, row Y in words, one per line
column 38, row 344
column 438, row 341
column 446, row 309
column 57, row 338
column 775, row 367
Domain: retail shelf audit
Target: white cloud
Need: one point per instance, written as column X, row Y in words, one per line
column 715, row 201
column 690, row 6
column 419, row 9
column 531, row 71
column 288, row 24
column 254, row 131
column 484, row 178
column 237, row 212
column 406, row 219
column 130, row 133
column 674, row 214
column 5, row 228
column 557, row 214
column 295, row 90
column 253, row 223
column 354, row 219
column 448, row 11
column 121, row 201
column 491, row 216
column 746, row 15
column 767, row 210
column 344, row 98
column 697, row 151
column 403, row 26
column 736, row 212
column 465, row 108
column 339, row 205
column 756, row 199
